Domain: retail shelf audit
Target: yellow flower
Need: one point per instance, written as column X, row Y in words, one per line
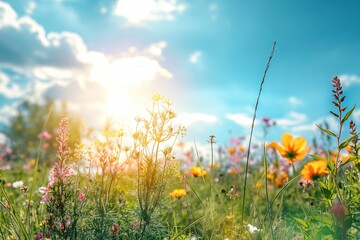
column 31, row 163
column 197, row 171
column 178, row 193
column 292, row 149
column 229, row 217
column 313, row 170
column 258, row 185
column 215, row 165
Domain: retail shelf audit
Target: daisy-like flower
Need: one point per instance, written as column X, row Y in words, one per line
column 313, row 170
column 291, row 149
column 178, row 193
column 197, row 171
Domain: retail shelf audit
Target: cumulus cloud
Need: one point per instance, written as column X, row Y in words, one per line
column 294, row 101
column 9, row 89
column 241, row 119
column 139, row 11
column 61, row 58
column 292, row 119
column 195, row 57
column 8, row 111
column 188, row 119
column 30, row 7
column 347, row 80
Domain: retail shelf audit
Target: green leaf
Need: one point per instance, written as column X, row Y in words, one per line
column 346, row 142
column 324, row 219
column 327, row 131
column 323, row 231
column 326, row 192
column 301, row 222
column 348, row 114
column 316, row 157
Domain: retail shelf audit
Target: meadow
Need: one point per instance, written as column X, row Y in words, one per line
column 146, row 184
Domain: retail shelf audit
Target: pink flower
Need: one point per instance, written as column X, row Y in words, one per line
column 68, row 223
column 45, row 134
column 45, row 198
column 81, row 195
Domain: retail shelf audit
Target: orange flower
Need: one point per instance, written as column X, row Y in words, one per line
column 313, row 170
column 270, row 176
column 292, row 149
column 197, row 171
column 178, row 193
column 258, row 185
column 232, row 150
column 279, row 182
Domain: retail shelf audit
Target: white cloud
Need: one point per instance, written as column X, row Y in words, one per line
column 156, row 49
column 294, row 101
column 8, row 111
column 61, row 58
column 30, row 7
column 9, row 89
column 188, row 119
column 195, row 57
column 292, row 119
column 138, row 11
column 103, row 10
column 240, row 119
column 347, row 80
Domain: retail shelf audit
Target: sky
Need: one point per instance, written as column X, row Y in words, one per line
column 108, row 57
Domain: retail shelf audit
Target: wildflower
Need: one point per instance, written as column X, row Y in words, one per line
column 17, row 184
column 45, row 135
column 40, row 235
column 229, row 217
column 232, row 150
column 197, row 171
column 279, row 182
column 292, row 149
column 115, row 229
column 31, row 163
column 313, row 170
column 258, row 185
column 178, row 193
column 306, row 184
column 338, row 209
column 232, row 171
column 81, row 195
column 253, row 229
column 270, row 177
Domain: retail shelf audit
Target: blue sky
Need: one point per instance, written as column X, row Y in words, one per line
column 108, row 57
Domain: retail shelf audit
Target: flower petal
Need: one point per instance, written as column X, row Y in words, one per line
column 287, row 141
column 299, row 144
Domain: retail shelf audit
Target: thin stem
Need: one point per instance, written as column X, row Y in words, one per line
column 251, row 132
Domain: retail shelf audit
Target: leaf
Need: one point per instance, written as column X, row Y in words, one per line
column 316, row 157
column 346, row 142
column 348, row 114
column 326, row 192
column 301, row 222
column 336, row 115
column 327, row 131
column 323, row 231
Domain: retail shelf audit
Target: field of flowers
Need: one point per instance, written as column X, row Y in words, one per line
column 145, row 184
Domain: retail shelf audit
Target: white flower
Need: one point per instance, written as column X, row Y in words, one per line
column 253, row 229
column 17, row 184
